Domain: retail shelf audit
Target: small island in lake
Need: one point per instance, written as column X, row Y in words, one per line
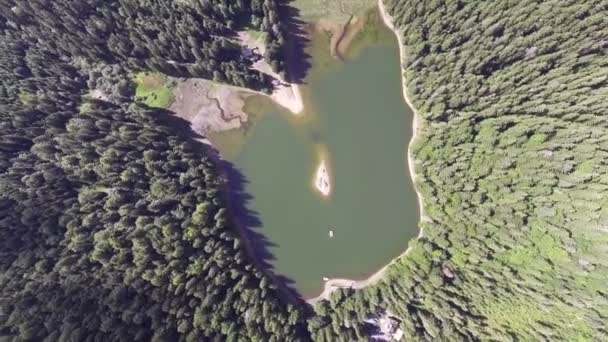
column 322, row 182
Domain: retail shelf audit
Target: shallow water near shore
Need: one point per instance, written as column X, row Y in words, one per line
column 356, row 119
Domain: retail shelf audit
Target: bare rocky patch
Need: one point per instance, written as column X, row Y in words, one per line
column 208, row 106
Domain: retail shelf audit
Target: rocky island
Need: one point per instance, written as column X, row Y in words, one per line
column 322, row 180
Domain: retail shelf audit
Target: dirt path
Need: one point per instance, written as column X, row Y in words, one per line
column 336, row 283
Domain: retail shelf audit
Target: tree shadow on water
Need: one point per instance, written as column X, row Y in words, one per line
column 249, row 225
column 297, row 35
column 238, row 201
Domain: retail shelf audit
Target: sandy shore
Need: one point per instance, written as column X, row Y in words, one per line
column 333, row 284
column 216, row 107
column 290, row 98
column 286, row 94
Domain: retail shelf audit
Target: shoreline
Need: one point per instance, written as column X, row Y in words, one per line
column 192, row 97
column 293, row 103
column 285, row 94
column 215, row 107
column 332, row 284
column 388, row 21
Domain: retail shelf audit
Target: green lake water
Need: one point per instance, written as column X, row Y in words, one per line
column 356, row 118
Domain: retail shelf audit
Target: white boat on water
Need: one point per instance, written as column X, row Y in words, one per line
column 331, row 233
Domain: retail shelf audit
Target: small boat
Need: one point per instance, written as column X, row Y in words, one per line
column 325, row 279
column 331, row 233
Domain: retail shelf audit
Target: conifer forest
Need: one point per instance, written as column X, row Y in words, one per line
column 115, row 224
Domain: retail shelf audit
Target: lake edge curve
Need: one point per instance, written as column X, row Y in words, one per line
column 335, row 283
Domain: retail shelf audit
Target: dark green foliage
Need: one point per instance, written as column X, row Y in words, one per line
column 177, row 38
column 512, row 165
column 112, row 225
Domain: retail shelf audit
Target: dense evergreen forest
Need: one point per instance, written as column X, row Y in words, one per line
column 177, row 38
column 513, row 161
column 114, row 225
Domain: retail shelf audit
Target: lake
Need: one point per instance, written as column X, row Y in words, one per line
column 356, row 119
